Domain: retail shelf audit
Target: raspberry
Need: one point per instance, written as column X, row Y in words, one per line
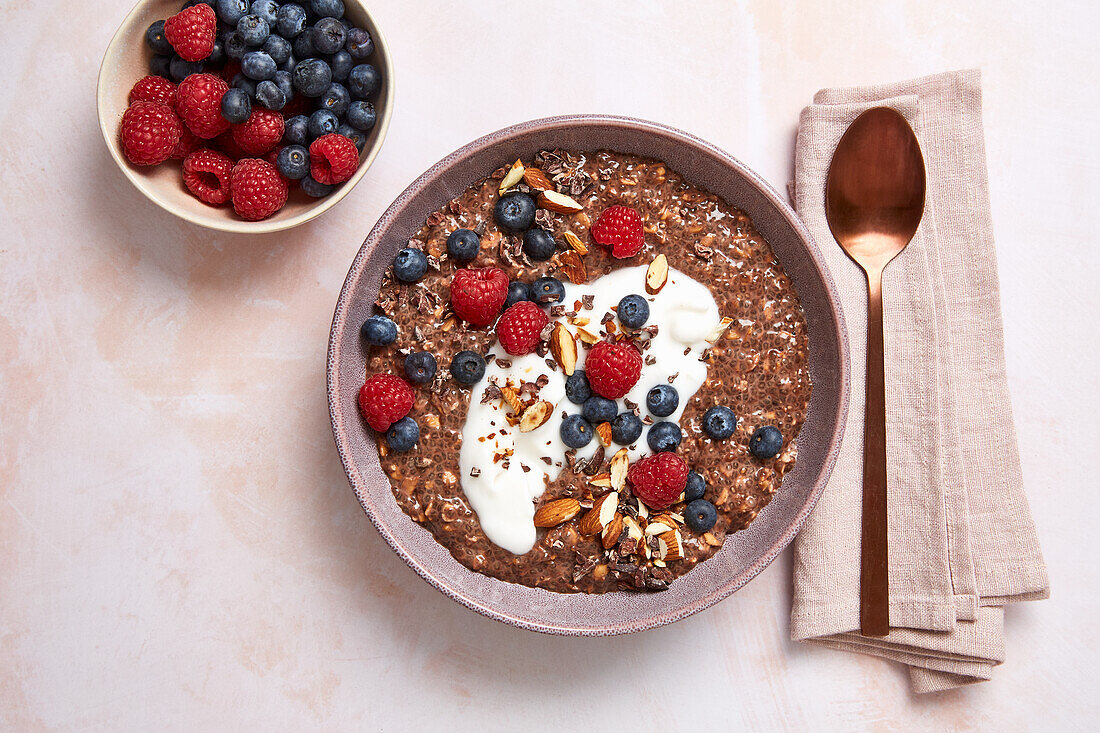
column 154, row 89
column 333, row 159
column 257, row 189
column 192, row 31
column 188, row 143
column 520, row 328
column 612, row 369
column 384, row 399
column 261, row 132
column 478, row 294
column 206, row 174
column 658, row 480
column 229, row 146
column 199, row 103
column 620, row 229
column 150, row 131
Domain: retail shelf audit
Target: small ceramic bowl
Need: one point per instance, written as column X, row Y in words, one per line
column 127, row 60
column 744, row 553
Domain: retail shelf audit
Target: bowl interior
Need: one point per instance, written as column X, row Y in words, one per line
column 127, row 60
column 745, row 553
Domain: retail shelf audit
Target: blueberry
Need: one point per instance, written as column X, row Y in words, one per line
column 664, row 436
column 313, row 188
column 538, row 244
column 235, row 47
column 328, row 35
column 296, row 131
column 293, row 162
column 278, row 48
column 626, row 428
column 303, row 46
column 514, row 212
column 359, row 44
column 216, row 59
column 327, row 8
column 361, row 115
column 341, row 63
column 576, row 432
column 230, row 11
column 259, row 66
column 290, row 21
column 633, row 311
column 700, row 516
column 266, row 9
column 253, row 30
column 322, row 122
column 240, row 81
column 696, row 486
column 378, row 331
column 766, row 442
column 159, row 66
column 236, row 106
column 410, row 265
column 363, row 81
column 577, row 388
column 356, row 136
column 180, row 69
column 312, row 77
column 420, row 367
column 598, row 409
column 467, row 367
column 154, row 36
column 403, row 434
column 518, row 292
column 335, row 99
column 547, row 290
column 662, row 400
column 462, row 244
column 270, row 95
column 290, row 65
column 719, row 422
column 285, row 83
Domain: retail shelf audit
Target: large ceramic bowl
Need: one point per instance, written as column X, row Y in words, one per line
column 745, row 553
column 127, row 60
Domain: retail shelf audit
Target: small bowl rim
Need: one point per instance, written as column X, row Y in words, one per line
column 108, row 129
column 719, row 591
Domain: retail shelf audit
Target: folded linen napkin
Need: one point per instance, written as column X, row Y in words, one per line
column 962, row 541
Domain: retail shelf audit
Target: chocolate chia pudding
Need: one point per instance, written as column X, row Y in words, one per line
column 492, row 476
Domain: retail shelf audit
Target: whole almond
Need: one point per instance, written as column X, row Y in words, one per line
column 612, row 532
column 600, row 515
column 656, row 275
column 564, row 348
column 558, row 202
column 575, row 242
column 512, row 177
column 535, row 416
column 555, row 512
column 572, row 265
column 537, row 180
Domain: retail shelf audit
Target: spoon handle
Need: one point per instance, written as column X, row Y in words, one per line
column 874, row 592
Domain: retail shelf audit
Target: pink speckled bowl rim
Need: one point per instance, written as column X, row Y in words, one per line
column 823, row 428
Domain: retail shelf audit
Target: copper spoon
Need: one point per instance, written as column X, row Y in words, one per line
column 874, row 200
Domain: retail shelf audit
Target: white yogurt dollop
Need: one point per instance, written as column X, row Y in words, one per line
column 505, row 471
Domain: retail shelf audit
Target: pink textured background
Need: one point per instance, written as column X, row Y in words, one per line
column 179, row 547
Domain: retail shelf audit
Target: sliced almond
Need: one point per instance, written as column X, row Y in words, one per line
column 600, row 515
column 512, row 177
column 612, row 532
column 632, row 528
column 642, row 511
column 620, row 463
column 603, row 480
column 656, row 275
column 555, row 512
column 535, row 416
column 564, row 348
column 657, row 528
column 669, row 547
column 572, row 265
column 587, row 336
column 537, row 180
column 603, row 432
column 717, row 331
column 575, row 242
column 558, row 202
column 511, row 396
column 712, row 539
column 580, row 320
column 431, row 420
